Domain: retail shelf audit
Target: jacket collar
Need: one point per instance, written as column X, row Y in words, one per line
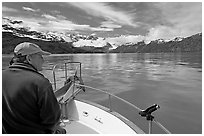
column 25, row 66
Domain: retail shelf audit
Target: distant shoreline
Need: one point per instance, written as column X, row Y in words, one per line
column 58, row 54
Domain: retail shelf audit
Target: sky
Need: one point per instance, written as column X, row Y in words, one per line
column 117, row 21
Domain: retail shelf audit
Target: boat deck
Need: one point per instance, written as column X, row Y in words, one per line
column 77, row 127
column 88, row 118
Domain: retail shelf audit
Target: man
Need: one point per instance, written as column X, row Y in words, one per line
column 28, row 101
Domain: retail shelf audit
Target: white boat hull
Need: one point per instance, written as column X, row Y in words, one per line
column 88, row 118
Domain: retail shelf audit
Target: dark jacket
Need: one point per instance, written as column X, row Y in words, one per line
column 28, row 101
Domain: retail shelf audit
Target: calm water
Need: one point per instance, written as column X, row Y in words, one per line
column 174, row 81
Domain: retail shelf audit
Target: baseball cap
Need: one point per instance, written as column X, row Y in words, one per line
column 27, row 48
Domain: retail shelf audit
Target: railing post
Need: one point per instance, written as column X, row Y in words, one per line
column 80, row 69
column 150, row 126
column 65, row 71
column 110, row 106
column 55, row 84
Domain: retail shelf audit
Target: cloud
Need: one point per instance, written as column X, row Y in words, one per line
column 30, row 9
column 99, row 29
column 50, row 17
column 161, row 32
column 158, row 20
column 109, row 24
column 184, row 19
column 107, row 12
column 60, row 17
column 59, row 23
column 67, row 25
column 55, row 11
column 6, row 9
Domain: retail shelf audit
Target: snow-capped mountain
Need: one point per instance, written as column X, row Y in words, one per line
column 25, row 32
column 178, row 39
column 18, row 29
column 78, row 40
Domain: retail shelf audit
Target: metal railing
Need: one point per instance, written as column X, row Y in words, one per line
column 146, row 113
column 66, row 73
column 128, row 103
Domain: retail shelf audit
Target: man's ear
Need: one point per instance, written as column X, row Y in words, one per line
column 28, row 58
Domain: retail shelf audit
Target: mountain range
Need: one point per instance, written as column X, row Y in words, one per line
column 13, row 33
